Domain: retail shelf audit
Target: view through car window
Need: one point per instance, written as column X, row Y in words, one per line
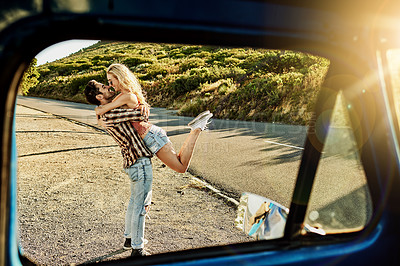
column 73, row 193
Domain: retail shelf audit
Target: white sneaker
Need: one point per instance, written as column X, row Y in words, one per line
column 201, row 121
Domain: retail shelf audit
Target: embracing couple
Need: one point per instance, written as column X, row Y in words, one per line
column 125, row 118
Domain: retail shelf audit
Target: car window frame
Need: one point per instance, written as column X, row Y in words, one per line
column 26, row 28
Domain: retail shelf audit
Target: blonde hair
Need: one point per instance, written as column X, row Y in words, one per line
column 128, row 81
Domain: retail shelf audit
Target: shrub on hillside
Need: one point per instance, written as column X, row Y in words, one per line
column 134, row 61
column 193, row 79
column 44, row 73
column 30, row 78
column 191, row 63
column 278, row 62
column 190, row 50
column 219, row 57
column 155, row 71
column 232, row 62
column 62, row 69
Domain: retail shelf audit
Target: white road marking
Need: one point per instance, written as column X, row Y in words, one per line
column 286, row 145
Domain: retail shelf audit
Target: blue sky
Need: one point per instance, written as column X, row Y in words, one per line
column 62, row 49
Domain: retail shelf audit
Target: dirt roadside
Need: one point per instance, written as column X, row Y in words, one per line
column 73, row 193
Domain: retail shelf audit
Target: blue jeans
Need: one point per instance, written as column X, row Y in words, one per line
column 141, row 177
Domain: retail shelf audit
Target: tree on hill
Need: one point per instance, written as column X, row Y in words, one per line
column 30, row 78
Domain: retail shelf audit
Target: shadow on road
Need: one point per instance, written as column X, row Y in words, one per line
column 57, row 131
column 106, row 256
column 65, row 150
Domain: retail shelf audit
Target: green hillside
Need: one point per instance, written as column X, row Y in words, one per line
column 235, row 83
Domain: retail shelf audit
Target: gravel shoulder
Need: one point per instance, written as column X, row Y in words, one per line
column 73, row 193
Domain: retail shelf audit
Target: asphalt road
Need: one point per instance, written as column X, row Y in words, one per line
column 261, row 158
column 234, row 156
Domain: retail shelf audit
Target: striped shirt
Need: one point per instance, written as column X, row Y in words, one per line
column 123, row 132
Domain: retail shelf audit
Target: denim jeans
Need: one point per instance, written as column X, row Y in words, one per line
column 141, row 179
column 155, row 139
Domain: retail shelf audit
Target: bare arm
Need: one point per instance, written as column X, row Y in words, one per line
column 120, row 100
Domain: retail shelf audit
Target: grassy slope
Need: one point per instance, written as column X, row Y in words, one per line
column 237, row 83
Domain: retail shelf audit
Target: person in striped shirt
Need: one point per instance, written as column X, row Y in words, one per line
column 127, row 133
column 136, row 162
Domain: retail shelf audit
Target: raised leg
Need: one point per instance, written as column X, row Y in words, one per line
column 179, row 162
